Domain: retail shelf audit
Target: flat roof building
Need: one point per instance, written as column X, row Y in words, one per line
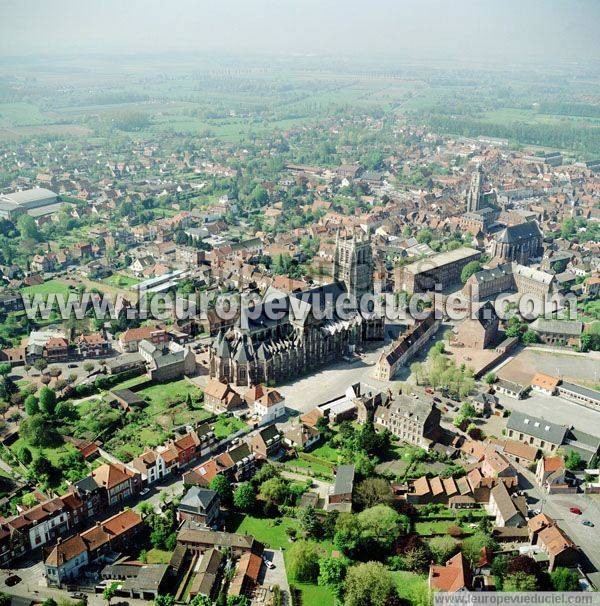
column 26, row 200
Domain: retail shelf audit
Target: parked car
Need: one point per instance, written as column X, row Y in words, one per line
column 575, row 510
column 144, row 491
column 268, row 563
column 588, row 523
column 12, row 580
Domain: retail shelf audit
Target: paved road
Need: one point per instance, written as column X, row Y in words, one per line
column 276, row 575
column 557, row 410
column 557, row 507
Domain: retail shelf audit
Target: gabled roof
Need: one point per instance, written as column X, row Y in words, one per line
column 454, row 576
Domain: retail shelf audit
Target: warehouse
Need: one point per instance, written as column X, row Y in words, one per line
column 28, row 201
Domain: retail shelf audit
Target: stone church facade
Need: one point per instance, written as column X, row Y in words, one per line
column 305, row 337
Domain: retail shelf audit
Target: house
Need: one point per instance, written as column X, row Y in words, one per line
column 220, row 397
column 301, row 436
column 247, row 574
column 69, row 557
column 412, row 418
column 200, row 505
column 199, row 539
column 455, row 575
column 266, row 443
column 339, row 497
column 536, row 431
column 130, row 339
column 120, row 482
column 137, row 580
column 560, row 549
column 269, row 406
column 207, row 579
column 151, row 466
column 546, row 384
column 509, row 510
column 43, row 523
column 93, row 345
column 512, row 389
column 551, row 473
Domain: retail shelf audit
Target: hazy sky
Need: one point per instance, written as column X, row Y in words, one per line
column 464, row 28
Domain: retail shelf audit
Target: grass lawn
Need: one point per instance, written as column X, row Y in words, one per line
column 121, row 280
column 412, row 587
column 158, row 556
column 314, row 594
column 225, row 426
column 304, row 465
column 166, row 408
column 51, row 286
column 52, row 454
column 265, row 530
column 438, row 527
column 327, row 452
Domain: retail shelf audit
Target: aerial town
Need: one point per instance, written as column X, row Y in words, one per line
column 273, row 446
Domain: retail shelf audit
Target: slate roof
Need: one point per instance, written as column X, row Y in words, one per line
column 515, row 234
column 537, row 427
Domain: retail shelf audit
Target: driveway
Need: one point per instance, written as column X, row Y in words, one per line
column 270, row 577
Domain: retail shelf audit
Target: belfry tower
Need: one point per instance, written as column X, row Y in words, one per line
column 353, row 263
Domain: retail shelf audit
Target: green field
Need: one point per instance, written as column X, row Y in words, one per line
column 225, row 426
column 266, row 530
column 121, row 281
column 51, row 286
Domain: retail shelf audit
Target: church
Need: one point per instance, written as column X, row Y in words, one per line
column 308, row 332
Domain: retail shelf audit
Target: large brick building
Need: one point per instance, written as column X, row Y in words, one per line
column 444, row 268
column 520, row 243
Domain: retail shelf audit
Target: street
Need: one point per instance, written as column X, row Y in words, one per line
column 557, row 507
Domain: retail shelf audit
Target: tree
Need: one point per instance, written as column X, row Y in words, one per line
column 309, row 522
column 347, row 533
column 5, row 599
column 572, row 460
column 520, row 581
column 237, row 600
column 274, row 490
column 4, row 368
column 40, row 364
column 529, row 337
column 49, row 602
column 368, row 584
column 88, row 366
column 110, row 591
column 201, row 600
column 373, row 491
column 25, row 455
column 164, row 600
column 381, row 526
column 36, row 432
column 472, row 546
column 332, row 572
column 468, row 270
column 244, row 497
column 303, row 561
column 442, row 548
column 417, row 559
column 221, row 485
column 47, row 401
column 522, row 563
column 564, row 579
column 490, row 378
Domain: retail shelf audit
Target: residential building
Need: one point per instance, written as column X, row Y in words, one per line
column 220, row 397
column 412, row 418
column 536, row 431
column 455, row 575
column 266, row 443
column 200, row 505
column 339, row 497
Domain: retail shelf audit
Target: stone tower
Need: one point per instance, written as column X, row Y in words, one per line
column 353, row 263
column 475, row 192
